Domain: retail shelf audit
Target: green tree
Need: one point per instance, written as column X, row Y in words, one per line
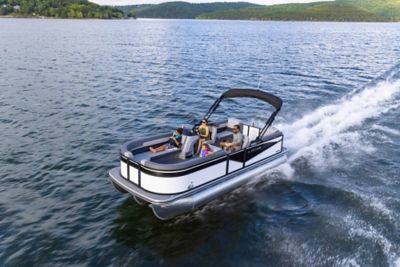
column 71, row 13
column 132, row 14
column 58, row 8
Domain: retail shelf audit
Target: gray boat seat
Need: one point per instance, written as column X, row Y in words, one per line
column 215, row 148
column 224, row 135
column 214, row 133
column 182, row 164
column 187, row 148
column 246, row 141
column 148, row 155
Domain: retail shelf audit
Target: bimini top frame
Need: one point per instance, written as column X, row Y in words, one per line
column 275, row 101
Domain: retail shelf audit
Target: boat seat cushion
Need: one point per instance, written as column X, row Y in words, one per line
column 224, row 135
column 144, row 142
column 215, row 148
column 182, row 164
column 165, row 153
column 246, row 141
column 214, row 133
column 148, row 155
column 187, row 148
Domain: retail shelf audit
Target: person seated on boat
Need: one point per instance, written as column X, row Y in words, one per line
column 205, row 150
column 174, row 141
column 237, row 141
column 204, row 133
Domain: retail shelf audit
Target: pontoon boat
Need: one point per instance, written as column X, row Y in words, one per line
column 177, row 181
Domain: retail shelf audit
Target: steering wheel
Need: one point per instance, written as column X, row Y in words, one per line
column 195, row 128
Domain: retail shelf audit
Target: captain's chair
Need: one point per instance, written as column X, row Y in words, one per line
column 187, row 147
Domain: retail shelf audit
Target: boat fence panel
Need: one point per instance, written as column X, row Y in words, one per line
column 253, row 133
column 124, row 169
column 274, row 149
column 133, row 175
column 234, row 165
column 245, row 129
column 173, row 185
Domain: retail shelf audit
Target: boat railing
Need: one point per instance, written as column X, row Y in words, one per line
column 237, row 156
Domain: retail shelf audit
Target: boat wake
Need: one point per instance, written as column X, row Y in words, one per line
column 319, row 134
column 321, row 138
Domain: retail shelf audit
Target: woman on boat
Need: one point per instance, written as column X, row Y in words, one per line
column 204, row 133
column 174, row 141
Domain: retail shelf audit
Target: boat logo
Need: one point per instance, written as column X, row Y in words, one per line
column 190, row 185
column 255, row 149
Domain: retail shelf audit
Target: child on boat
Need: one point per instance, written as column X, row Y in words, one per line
column 205, row 151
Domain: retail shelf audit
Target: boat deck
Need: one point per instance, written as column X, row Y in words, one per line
column 185, row 157
column 172, row 155
column 148, row 154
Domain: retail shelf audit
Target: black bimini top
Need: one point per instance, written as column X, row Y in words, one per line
column 275, row 101
column 264, row 96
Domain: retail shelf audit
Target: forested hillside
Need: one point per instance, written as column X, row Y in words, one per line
column 339, row 10
column 321, row 11
column 388, row 9
column 184, row 10
column 58, row 9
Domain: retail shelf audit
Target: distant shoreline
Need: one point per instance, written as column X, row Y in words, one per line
column 284, row 20
column 329, row 11
column 322, row 11
column 43, row 17
column 200, row 19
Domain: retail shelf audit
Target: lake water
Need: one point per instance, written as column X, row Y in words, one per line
column 72, row 91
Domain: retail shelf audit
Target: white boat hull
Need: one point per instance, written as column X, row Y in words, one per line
column 167, row 206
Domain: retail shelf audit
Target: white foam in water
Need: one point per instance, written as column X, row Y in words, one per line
column 386, row 130
column 397, row 262
column 313, row 135
column 319, row 134
column 362, row 229
column 316, row 137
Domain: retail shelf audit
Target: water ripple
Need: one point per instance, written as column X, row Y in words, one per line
column 73, row 91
